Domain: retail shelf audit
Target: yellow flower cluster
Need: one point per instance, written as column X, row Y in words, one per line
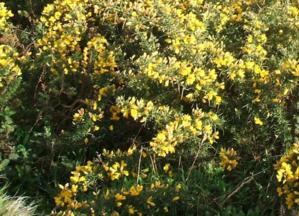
column 62, row 33
column 102, row 92
column 9, row 69
column 256, row 39
column 137, row 109
column 5, row 14
column 191, row 30
column 65, row 23
column 291, row 66
column 103, row 61
column 72, row 51
column 228, row 158
column 183, row 128
column 134, row 191
column 293, row 18
column 116, row 170
column 95, row 115
column 78, row 116
column 253, row 70
column 191, row 83
column 140, row 110
column 126, row 198
column 223, row 13
column 112, row 154
column 178, row 128
column 287, row 175
column 78, row 183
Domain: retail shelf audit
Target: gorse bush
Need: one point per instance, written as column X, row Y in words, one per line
column 181, row 107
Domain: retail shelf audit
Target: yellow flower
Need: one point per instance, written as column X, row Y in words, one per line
column 131, row 150
column 258, row 121
column 198, row 124
column 178, row 187
column 228, row 158
column 165, row 209
column 65, row 197
column 119, row 197
column 190, row 79
column 176, row 198
column 166, row 167
column 218, row 100
column 161, row 137
column 77, row 117
column 279, row 191
column 136, row 190
column 75, row 178
column 96, row 128
column 74, row 188
column 107, row 194
column 123, row 165
column 185, row 71
column 115, row 213
column 293, row 11
column 134, row 113
column 131, row 209
column 290, row 200
column 150, row 202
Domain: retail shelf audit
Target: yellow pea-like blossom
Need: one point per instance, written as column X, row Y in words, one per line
column 119, row 197
column 150, row 202
column 5, row 14
column 176, row 198
column 134, row 113
column 287, row 174
column 258, row 121
column 228, row 158
column 136, row 190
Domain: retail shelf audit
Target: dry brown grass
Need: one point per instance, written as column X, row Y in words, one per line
column 15, row 206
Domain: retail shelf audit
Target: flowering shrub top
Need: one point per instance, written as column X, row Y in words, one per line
column 288, row 176
column 5, row 14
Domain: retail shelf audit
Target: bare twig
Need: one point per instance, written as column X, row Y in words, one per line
column 196, row 157
column 139, row 164
column 40, row 79
column 180, row 161
column 182, row 93
column 71, row 106
column 247, row 180
column 38, row 118
column 153, row 164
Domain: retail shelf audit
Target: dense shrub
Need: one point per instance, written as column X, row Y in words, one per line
column 10, row 75
column 152, row 107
